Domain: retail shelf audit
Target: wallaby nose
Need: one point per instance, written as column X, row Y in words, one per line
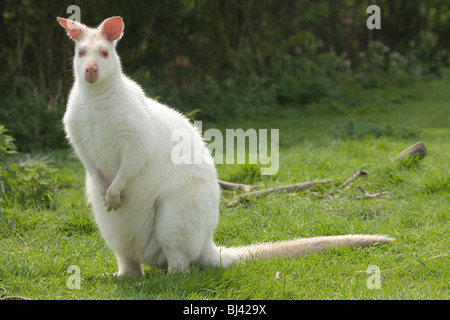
column 91, row 73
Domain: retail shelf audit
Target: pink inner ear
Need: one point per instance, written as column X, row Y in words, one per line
column 113, row 28
column 72, row 27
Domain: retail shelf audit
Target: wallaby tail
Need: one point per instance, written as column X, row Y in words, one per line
column 297, row 247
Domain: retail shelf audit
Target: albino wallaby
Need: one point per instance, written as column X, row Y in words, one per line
column 165, row 213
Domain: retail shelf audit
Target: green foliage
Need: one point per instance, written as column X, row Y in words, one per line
column 34, row 119
column 305, row 78
column 8, row 169
column 230, row 59
column 379, row 66
column 7, row 147
column 424, row 55
column 33, row 185
column 27, row 183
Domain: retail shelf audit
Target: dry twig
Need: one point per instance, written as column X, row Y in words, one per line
column 357, row 174
column 370, row 195
column 291, row 188
column 232, row 186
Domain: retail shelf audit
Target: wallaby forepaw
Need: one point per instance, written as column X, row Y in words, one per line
column 112, row 202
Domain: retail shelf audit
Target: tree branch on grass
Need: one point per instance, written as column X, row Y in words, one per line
column 368, row 195
column 233, row 186
column 416, row 150
column 290, row 188
column 359, row 173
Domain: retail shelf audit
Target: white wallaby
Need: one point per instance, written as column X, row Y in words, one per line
column 165, row 213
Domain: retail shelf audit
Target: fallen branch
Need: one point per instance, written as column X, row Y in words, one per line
column 357, row 174
column 370, row 195
column 290, row 188
column 417, row 150
column 233, row 186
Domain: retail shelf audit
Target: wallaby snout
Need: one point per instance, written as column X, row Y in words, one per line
column 91, row 73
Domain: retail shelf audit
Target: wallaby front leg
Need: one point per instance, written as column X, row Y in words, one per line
column 99, row 180
column 132, row 164
column 113, row 197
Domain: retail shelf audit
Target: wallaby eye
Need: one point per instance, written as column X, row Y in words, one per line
column 81, row 53
column 105, row 53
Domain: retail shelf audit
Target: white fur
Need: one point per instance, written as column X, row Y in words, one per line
column 148, row 209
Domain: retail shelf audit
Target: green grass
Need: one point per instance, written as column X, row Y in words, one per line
column 38, row 244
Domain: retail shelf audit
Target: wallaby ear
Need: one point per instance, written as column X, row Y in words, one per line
column 74, row 29
column 112, row 28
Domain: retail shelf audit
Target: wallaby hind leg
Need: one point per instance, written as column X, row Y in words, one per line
column 182, row 229
column 128, row 266
column 176, row 261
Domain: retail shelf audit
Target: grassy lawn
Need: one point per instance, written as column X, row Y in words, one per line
column 37, row 245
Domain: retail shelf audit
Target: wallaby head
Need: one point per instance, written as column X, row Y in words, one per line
column 95, row 54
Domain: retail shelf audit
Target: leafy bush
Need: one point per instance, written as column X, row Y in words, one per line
column 298, row 79
column 424, row 56
column 379, row 66
column 27, row 183
column 34, row 118
column 8, row 169
column 215, row 99
column 306, row 73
